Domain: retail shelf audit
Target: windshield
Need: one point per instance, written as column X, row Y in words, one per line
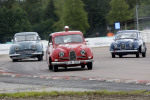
column 28, row 37
column 73, row 38
column 126, row 36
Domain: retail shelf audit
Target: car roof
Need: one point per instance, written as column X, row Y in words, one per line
column 123, row 31
column 66, row 33
column 26, row 33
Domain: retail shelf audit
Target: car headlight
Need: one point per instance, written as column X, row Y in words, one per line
column 33, row 47
column 17, row 48
column 82, row 52
column 130, row 44
column 61, row 54
column 115, row 45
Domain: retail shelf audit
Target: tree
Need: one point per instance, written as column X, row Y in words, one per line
column 7, row 3
column 44, row 28
column 33, row 9
column 119, row 11
column 131, row 3
column 97, row 11
column 44, row 23
column 144, row 9
column 21, row 22
column 12, row 21
column 72, row 13
column 49, row 12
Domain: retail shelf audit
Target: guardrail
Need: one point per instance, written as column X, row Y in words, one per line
column 146, row 35
column 92, row 42
column 99, row 41
column 4, row 48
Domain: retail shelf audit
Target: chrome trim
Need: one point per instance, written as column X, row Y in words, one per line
column 123, row 51
column 61, row 54
column 11, row 55
column 20, row 57
column 115, row 45
column 65, row 62
column 37, row 53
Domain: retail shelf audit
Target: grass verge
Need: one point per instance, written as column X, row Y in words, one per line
column 69, row 93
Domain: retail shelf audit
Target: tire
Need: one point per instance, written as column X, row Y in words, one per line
column 15, row 60
column 55, row 68
column 40, row 58
column 82, row 66
column 144, row 54
column 113, row 55
column 89, row 65
column 137, row 55
column 120, row 56
column 50, row 66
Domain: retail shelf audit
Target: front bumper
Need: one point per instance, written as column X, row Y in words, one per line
column 23, row 56
column 78, row 62
column 123, row 51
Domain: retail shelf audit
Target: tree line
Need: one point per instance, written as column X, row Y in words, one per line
column 47, row 16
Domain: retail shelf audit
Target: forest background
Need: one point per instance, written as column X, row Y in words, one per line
column 92, row 17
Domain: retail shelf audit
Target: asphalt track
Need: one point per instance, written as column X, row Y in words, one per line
column 127, row 73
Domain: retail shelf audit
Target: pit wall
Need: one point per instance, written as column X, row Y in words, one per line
column 92, row 42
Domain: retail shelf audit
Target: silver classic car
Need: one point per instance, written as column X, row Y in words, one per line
column 26, row 45
column 128, row 42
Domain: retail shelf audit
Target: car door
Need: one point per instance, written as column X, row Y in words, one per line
column 49, row 49
column 142, row 43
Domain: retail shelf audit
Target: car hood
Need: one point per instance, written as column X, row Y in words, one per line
column 124, row 41
column 68, row 47
column 25, row 44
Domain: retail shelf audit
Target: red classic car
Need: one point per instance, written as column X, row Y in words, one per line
column 67, row 49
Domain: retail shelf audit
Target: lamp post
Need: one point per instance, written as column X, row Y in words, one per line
column 137, row 17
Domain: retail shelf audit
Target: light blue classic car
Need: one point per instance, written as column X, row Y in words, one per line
column 26, row 45
column 128, row 42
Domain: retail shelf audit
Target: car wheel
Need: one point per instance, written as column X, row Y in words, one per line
column 82, row 66
column 144, row 54
column 113, row 55
column 50, row 67
column 15, row 60
column 120, row 56
column 40, row 58
column 90, row 65
column 137, row 55
column 55, row 68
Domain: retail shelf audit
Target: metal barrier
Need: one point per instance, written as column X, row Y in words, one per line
column 92, row 42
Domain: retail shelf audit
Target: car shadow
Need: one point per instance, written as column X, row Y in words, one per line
column 61, row 69
column 29, row 60
column 128, row 56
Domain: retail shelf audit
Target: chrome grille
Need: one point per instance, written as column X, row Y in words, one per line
column 25, row 52
column 123, row 46
column 72, row 55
